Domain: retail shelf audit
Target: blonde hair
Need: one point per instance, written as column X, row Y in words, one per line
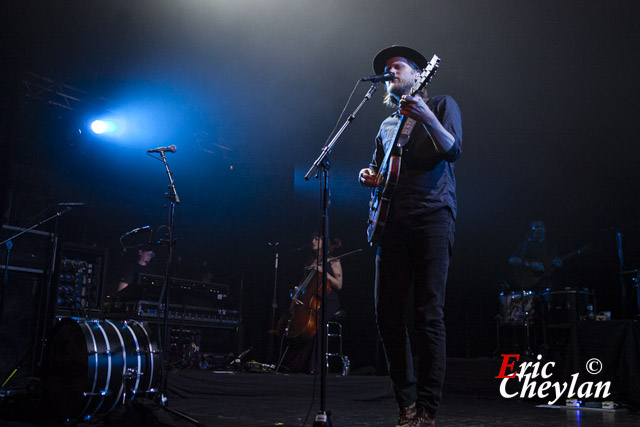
column 392, row 101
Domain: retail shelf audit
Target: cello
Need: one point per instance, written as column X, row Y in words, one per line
column 299, row 321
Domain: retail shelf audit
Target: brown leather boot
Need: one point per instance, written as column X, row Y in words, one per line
column 422, row 419
column 406, row 414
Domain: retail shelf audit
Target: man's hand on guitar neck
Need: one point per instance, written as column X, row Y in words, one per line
column 368, row 177
column 416, row 108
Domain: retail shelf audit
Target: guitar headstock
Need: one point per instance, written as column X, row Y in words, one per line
column 426, row 75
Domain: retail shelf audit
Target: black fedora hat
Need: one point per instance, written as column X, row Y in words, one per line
column 380, row 61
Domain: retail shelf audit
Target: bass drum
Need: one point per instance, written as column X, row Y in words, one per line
column 568, row 305
column 92, row 365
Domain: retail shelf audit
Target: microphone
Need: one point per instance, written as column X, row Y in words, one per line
column 302, row 248
column 137, row 230
column 170, row 149
column 71, row 204
column 378, row 78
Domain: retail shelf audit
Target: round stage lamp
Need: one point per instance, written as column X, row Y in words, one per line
column 103, row 127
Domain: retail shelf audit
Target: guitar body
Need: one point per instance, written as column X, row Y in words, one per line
column 532, row 277
column 381, row 199
column 389, row 170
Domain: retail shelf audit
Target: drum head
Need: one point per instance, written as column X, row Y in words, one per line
column 65, row 369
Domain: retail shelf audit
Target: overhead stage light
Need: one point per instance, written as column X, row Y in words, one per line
column 101, row 127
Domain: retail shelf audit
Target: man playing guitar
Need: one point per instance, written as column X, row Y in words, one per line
column 416, row 241
column 535, row 259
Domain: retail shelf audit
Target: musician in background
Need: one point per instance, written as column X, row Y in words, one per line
column 417, row 241
column 307, row 356
column 536, row 258
column 142, row 264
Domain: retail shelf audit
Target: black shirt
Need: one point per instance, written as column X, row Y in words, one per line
column 426, row 181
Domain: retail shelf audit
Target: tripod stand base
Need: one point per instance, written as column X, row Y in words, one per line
column 163, row 402
column 183, row 416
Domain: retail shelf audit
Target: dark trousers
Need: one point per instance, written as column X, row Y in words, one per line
column 416, row 251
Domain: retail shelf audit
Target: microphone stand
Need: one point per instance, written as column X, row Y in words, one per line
column 274, row 304
column 57, row 214
column 623, row 289
column 41, row 323
column 322, row 164
column 523, row 312
column 173, row 198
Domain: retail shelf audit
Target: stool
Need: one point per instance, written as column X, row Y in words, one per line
column 334, row 336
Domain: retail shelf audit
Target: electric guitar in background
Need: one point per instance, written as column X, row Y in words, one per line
column 533, row 271
column 389, row 169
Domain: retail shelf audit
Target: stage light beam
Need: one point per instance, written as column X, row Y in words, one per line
column 101, row 127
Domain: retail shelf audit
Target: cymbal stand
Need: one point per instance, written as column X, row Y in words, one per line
column 322, row 165
column 173, row 198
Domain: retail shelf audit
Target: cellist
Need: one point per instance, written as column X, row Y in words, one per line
column 306, row 356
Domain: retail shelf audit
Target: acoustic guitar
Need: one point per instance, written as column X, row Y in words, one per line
column 533, row 271
column 389, row 170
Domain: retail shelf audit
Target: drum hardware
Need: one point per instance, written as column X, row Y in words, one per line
column 100, row 393
column 132, row 373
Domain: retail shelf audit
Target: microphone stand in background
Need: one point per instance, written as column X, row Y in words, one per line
column 274, row 304
column 322, row 165
column 173, row 198
column 42, row 321
column 523, row 311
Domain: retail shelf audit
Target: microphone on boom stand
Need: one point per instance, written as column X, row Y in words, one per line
column 169, row 149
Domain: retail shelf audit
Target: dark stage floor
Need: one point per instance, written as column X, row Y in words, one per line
column 267, row 399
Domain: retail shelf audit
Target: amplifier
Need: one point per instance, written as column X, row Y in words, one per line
column 148, row 287
column 178, row 314
column 81, row 275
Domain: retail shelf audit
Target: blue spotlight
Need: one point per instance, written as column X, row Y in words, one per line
column 101, row 127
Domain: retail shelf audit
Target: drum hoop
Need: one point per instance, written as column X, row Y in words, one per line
column 83, row 324
column 150, row 347
column 138, row 357
column 109, row 367
column 124, row 363
column 585, row 291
